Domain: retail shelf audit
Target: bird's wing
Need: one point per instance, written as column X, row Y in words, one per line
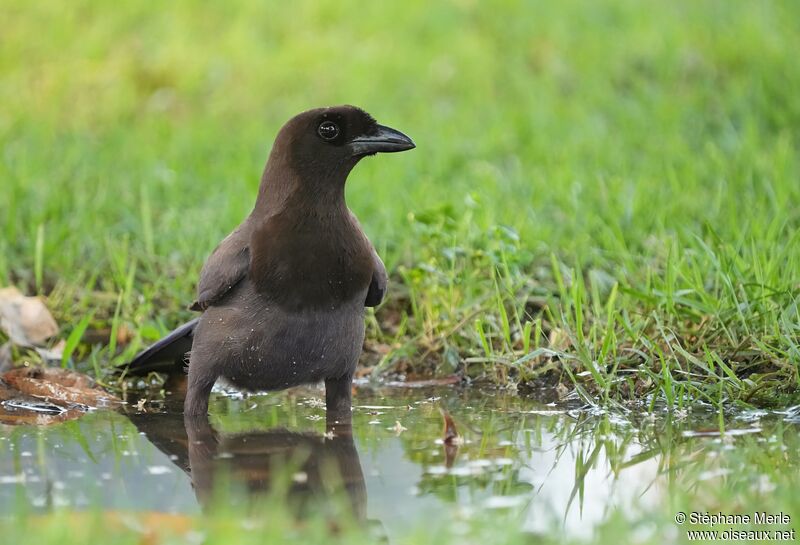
column 226, row 267
column 377, row 287
column 166, row 355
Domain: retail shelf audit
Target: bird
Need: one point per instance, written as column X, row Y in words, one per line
column 252, row 461
column 282, row 298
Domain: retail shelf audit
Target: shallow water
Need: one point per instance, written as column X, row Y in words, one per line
column 549, row 466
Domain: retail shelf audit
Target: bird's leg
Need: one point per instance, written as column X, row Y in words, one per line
column 202, row 437
column 338, row 402
column 198, row 392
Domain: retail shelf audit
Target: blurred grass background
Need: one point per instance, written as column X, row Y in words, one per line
column 601, row 186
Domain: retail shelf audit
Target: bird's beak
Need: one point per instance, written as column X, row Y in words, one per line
column 385, row 140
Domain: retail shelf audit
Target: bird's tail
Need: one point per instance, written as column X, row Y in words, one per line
column 166, row 355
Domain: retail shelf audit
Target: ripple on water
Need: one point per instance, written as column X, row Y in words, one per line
column 550, row 466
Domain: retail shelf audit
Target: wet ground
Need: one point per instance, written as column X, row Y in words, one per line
column 550, row 466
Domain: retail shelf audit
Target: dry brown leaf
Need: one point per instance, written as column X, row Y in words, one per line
column 559, row 340
column 65, row 377
column 26, row 320
column 451, row 438
column 21, row 417
column 378, row 348
column 59, row 386
column 124, row 335
column 450, row 431
column 34, row 419
column 17, row 409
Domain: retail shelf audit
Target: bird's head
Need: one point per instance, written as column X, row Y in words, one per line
column 328, row 142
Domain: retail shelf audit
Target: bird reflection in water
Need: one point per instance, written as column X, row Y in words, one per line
column 318, row 470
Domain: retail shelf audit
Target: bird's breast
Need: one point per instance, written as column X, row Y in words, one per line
column 311, row 269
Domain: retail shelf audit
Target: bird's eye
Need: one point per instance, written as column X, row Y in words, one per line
column 328, row 130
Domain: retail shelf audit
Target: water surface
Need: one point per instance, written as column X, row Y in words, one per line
column 549, row 466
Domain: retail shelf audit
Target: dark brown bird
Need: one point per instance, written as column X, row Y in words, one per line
column 283, row 295
column 253, row 461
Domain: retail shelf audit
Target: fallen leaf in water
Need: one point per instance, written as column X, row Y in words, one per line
column 40, row 395
column 451, row 438
column 450, row 431
column 23, row 417
column 15, row 400
column 60, row 386
column 65, row 377
column 26, row 320
column 17, row 408
column 6, row 392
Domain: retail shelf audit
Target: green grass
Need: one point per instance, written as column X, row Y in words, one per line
column 604, row 194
